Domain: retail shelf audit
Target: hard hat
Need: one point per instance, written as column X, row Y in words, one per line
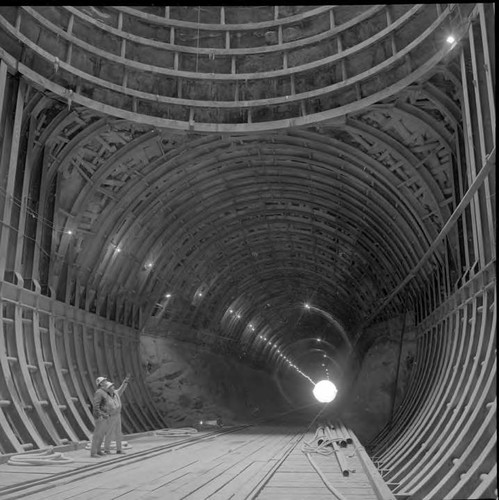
column 99, row 380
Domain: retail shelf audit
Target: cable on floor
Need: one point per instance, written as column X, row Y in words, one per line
column 322, row 445
column 46, row 457
column 329, row 486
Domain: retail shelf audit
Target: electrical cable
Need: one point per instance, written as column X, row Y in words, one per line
column 322, row 445
column 324, row 448
column 329, row 486
column 46, row 457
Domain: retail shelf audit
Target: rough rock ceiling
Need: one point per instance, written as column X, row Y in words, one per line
column 242, row 160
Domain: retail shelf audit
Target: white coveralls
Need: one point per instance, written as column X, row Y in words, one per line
column 101, row 416
column 113, row 406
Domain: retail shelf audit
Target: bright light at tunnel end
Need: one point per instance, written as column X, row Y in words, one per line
column 325, row 391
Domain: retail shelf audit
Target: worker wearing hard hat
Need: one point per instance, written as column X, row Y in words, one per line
column 101, row 417
column 114, row 411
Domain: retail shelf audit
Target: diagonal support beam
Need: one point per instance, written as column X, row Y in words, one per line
column 451, row 221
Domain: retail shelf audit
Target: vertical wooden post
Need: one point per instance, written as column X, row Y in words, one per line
column 28, row 169
column 483, row 119
column 40, row 221
column 467, row 260
column 471, row 163
column 489, row 59
column 11, row 175
column 3, row 86
column 3, row 126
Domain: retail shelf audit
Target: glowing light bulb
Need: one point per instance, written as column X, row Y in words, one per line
column 450, row 39
column 168, row 295
column 307, row 306
column 69, row 232
column 325, row 391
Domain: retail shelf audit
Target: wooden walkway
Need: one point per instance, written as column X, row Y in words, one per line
column 263, row 462
column 297, row 479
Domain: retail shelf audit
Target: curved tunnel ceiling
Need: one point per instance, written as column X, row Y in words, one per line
column 338, row 217
column 332, row 202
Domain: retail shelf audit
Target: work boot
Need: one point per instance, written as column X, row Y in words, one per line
column 120, row 452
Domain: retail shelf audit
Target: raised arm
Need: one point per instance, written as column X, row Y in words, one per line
column 121, row 389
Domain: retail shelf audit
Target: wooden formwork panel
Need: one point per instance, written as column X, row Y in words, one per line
column 328, row 61
column 448, row 446
column 49, row 363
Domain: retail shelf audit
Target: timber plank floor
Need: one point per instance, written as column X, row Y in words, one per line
column 297, row 479
column 264, row 462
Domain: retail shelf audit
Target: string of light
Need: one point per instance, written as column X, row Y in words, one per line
column 46, row 223
column 273, row 346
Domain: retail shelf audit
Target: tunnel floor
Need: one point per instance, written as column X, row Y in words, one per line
column 270, row 461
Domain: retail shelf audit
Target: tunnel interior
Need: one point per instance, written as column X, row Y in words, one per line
column 233, row 203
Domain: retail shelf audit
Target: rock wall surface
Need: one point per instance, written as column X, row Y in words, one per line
column 189, row 385
column 378, row 390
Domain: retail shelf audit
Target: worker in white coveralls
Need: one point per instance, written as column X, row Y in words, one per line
column 100, row 416
column 113, row 408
